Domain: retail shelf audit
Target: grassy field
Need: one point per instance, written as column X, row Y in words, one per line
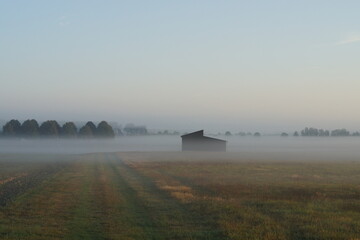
column 177, row 196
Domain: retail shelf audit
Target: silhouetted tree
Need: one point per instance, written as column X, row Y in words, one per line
column 50, row 128
column 118, row 132
column 12, row 128
column 30, row 128
column 296, row 134
column 356, row 134
column 92, row 126
column 313, row 132
column 284, row 134
column 104, row 130
column 131, row 129
column 228, row 133
column 86, row 132
column 340, row 132
column 69, row 130
column 257, row 134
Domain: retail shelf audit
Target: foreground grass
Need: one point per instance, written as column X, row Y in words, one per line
column 265, row 200
column 144, row 196
column 99, row 197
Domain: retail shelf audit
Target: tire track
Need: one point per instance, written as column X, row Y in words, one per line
column 158, row 215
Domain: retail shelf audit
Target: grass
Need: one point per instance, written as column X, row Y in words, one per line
column 177, row 196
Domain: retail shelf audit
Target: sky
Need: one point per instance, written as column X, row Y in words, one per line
column 217, row 65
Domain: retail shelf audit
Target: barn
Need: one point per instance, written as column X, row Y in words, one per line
column 196, row 141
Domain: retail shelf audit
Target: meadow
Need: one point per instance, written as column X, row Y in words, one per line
column 174, row 195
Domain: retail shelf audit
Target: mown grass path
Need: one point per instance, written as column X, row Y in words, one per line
column 154, row 213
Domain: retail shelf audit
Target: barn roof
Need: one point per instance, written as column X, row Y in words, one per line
column 200, row 134
column 194, row 134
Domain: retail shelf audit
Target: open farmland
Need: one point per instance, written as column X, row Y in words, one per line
column 178, row 196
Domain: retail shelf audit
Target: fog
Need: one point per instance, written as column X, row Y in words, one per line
column 70, row 146
column 251, row 148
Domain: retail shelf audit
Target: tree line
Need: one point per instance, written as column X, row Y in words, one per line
column 314, row 132
column 51, row 128
column 306, row 132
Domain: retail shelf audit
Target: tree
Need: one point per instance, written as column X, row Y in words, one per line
column 284, row 134
column 131, row 129
column 324, row 133
column 104, row 130
column 12, row 128
column 257, row 134
column 340, row 132
column 357, row 134
column 310, row 132
column 228, row 133
column 86, row 132
column 30, row 128
column 69, row 130
column 92, row 126
column 296, row 134
column 50, row 128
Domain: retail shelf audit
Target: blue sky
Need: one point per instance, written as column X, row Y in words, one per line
column 218, row 65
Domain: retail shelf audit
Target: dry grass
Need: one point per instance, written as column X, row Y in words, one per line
column 170, row 196
column 264, row 200
column 9, row 179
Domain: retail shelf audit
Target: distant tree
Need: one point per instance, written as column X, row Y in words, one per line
column 356, row 134
column 118, row 132
column 104, row 130
column 69, row 130
column 249, row 133
column 86, row 132
column 50, row 128
column 340, row 132
column 12, row 128
column 324, row 133
column 30, row 128
column 242, row 133
column 313, row 132
column 284, row 134
column 296, row 134
column 92, row 126
column 304, row 132
column 228, row 133
column 131, row 129
column 257, row 134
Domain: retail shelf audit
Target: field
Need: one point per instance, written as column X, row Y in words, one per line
column 178, row 196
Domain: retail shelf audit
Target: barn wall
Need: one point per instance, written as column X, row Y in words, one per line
column 203, row 145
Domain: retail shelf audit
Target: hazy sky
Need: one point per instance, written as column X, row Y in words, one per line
column 218, row 65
